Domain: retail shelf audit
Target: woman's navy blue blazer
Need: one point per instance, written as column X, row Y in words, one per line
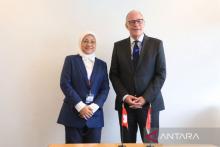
column 75, row 86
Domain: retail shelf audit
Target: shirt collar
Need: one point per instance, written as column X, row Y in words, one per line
column 140, row 39
column 90, row 57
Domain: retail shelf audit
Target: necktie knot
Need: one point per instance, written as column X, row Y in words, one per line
column 136, row 43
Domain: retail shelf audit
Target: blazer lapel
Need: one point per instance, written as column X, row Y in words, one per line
column 82, row 68
column 143, row 50
column 94, row 71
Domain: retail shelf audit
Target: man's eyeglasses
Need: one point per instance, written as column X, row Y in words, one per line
column 138, row 21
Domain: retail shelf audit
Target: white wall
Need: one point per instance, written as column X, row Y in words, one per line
column 36, row 35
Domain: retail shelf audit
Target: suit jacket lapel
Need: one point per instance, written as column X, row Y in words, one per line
column 128, row 53
column 143, row 50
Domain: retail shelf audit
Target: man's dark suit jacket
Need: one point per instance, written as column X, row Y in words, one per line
column 146, row 79
column 74, row 84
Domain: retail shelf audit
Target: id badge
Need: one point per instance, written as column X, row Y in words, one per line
column 89, row 98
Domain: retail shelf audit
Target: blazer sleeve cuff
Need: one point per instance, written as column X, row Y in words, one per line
column 79, row 106
column 94, row 107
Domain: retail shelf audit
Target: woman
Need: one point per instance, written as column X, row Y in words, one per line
column 84, row 82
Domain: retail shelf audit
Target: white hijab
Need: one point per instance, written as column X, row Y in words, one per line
column 90, row 57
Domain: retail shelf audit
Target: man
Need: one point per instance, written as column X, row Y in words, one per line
column 137, row 73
